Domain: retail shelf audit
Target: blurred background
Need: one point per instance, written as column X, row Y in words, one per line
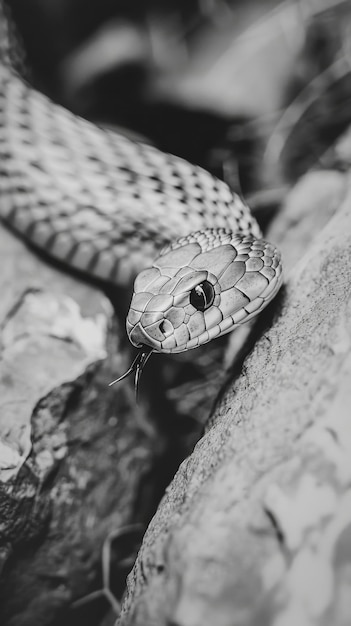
column 256, row 91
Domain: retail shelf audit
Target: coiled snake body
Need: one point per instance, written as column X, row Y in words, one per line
column 106, row 205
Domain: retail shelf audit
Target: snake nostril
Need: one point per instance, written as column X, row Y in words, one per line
column 166, row 328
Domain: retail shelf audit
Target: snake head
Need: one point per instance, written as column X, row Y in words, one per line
column 201, row 287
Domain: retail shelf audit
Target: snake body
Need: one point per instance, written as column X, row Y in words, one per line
column 106, row 205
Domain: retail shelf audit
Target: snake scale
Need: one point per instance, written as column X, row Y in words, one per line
column 106, row 205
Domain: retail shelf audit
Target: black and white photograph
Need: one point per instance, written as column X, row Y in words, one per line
column 175, row 313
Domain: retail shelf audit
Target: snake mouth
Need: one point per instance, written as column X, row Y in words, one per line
column 136, row 367
column 139, row 336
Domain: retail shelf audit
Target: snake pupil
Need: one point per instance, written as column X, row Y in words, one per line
column 202, row 296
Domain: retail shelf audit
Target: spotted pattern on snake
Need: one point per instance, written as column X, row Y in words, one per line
column 106, row 205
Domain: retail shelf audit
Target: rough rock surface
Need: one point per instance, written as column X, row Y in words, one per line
column 254, row 527
column 73, row 452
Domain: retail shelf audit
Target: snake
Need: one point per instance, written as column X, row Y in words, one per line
column 120, row 210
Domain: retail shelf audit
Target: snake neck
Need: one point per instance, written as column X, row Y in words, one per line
column 91, row 198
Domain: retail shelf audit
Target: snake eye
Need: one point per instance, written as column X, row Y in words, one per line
column 202, row 296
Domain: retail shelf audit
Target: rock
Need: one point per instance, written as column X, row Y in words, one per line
column 73, row 452
column 252, row 528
